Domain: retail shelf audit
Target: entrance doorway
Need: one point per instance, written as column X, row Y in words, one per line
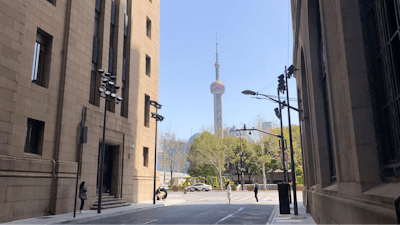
column 110, row 158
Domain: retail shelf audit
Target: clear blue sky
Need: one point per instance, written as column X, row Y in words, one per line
column 253, row 51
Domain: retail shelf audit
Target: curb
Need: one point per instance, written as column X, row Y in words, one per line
column 96, row 217
column 87, row 219
column 273, row 215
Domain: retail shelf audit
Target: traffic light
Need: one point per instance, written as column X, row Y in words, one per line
column 277, row 113
column 291, row 70
column 281, row 83
column 283, row 104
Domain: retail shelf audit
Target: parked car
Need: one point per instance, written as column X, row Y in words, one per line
column 165, row 186
column 199, row 187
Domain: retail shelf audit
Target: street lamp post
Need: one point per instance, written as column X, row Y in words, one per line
column 281, row 87
column 288, row 73
column 158, row 117
column 109, row 89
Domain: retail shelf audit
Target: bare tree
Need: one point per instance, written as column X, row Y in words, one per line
column 174, row 155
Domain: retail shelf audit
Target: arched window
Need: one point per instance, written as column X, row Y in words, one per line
column 382, row 42
column 324, row 84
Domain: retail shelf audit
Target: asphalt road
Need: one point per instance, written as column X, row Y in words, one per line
column 203, row 208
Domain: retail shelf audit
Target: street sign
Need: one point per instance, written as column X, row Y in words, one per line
column 286, row 155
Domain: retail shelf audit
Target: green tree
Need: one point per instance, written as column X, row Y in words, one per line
column 296, row 149
column 208, row 149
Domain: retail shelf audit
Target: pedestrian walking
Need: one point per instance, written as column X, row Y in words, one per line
column 229, row 191
column 82, row 195
column 256, row 190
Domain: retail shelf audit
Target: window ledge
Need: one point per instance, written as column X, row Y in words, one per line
column 385, row 192
column 332, row 189
column 32, row 155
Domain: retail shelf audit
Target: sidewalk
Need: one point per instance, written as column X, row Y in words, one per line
column 302, row 218
column 92, row 214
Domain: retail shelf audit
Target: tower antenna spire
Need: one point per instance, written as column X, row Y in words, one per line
column 216, row 63
column 216, row 40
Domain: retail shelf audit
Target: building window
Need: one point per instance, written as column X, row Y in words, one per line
column 111, row 52
column 383, row 45
column 52, row 2
column 324, row 83
column 145, row 157
column 96, row 55
column 148, row 27
column 125, row 63
column 41, row 59
column 34, row 136
column 148, row 65
column 146, row 110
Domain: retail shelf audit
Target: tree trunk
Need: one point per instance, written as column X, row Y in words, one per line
column 171, row 176
column 165, row 167
column 220, row 180
column 165, row 171
column 264, row 178
column 272, row 176
column 263, row 168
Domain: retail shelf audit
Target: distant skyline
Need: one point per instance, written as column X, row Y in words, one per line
column 254, row 46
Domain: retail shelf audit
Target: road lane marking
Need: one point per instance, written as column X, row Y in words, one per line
column 150, row 221
column 226, row 217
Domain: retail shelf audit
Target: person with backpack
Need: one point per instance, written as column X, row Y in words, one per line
column 161, row 193
column 82, row 195
column 256, row 190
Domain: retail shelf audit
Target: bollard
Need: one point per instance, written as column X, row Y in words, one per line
column 283, row 190
column 397, row 205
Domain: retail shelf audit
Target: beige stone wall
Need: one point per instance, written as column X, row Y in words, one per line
column 358, row 196
column 35, row 185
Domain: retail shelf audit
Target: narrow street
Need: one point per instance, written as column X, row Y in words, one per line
column 204, row 208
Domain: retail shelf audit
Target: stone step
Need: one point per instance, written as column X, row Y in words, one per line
column 108, row 200
column 105, row 197
column 110, row 206
column 103, row 194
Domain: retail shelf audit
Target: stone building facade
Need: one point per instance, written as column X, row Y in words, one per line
column 348, row 85
column 50, row 51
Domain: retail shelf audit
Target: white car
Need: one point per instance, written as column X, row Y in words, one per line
column 199, row 187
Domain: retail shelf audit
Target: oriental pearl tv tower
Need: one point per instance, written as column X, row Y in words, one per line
column 217, row 88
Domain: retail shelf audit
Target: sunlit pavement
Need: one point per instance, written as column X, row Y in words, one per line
column 191, row 208
column 204, row 208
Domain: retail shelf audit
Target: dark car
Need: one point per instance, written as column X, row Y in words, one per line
column 199, row 187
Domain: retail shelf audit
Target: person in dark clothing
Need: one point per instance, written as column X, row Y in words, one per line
column 82, row 195
column 256, row 190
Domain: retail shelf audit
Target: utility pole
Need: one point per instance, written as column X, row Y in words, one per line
column 288, row 73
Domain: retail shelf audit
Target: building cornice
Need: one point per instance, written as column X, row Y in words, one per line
column 296, row 35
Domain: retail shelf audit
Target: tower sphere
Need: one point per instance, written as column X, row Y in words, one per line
column 217, row 87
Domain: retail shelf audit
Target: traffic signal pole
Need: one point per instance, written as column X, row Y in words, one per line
column 296, row 212
column 282, row 140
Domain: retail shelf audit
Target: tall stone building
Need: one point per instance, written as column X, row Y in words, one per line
column 348, row 85
column 50, row 51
